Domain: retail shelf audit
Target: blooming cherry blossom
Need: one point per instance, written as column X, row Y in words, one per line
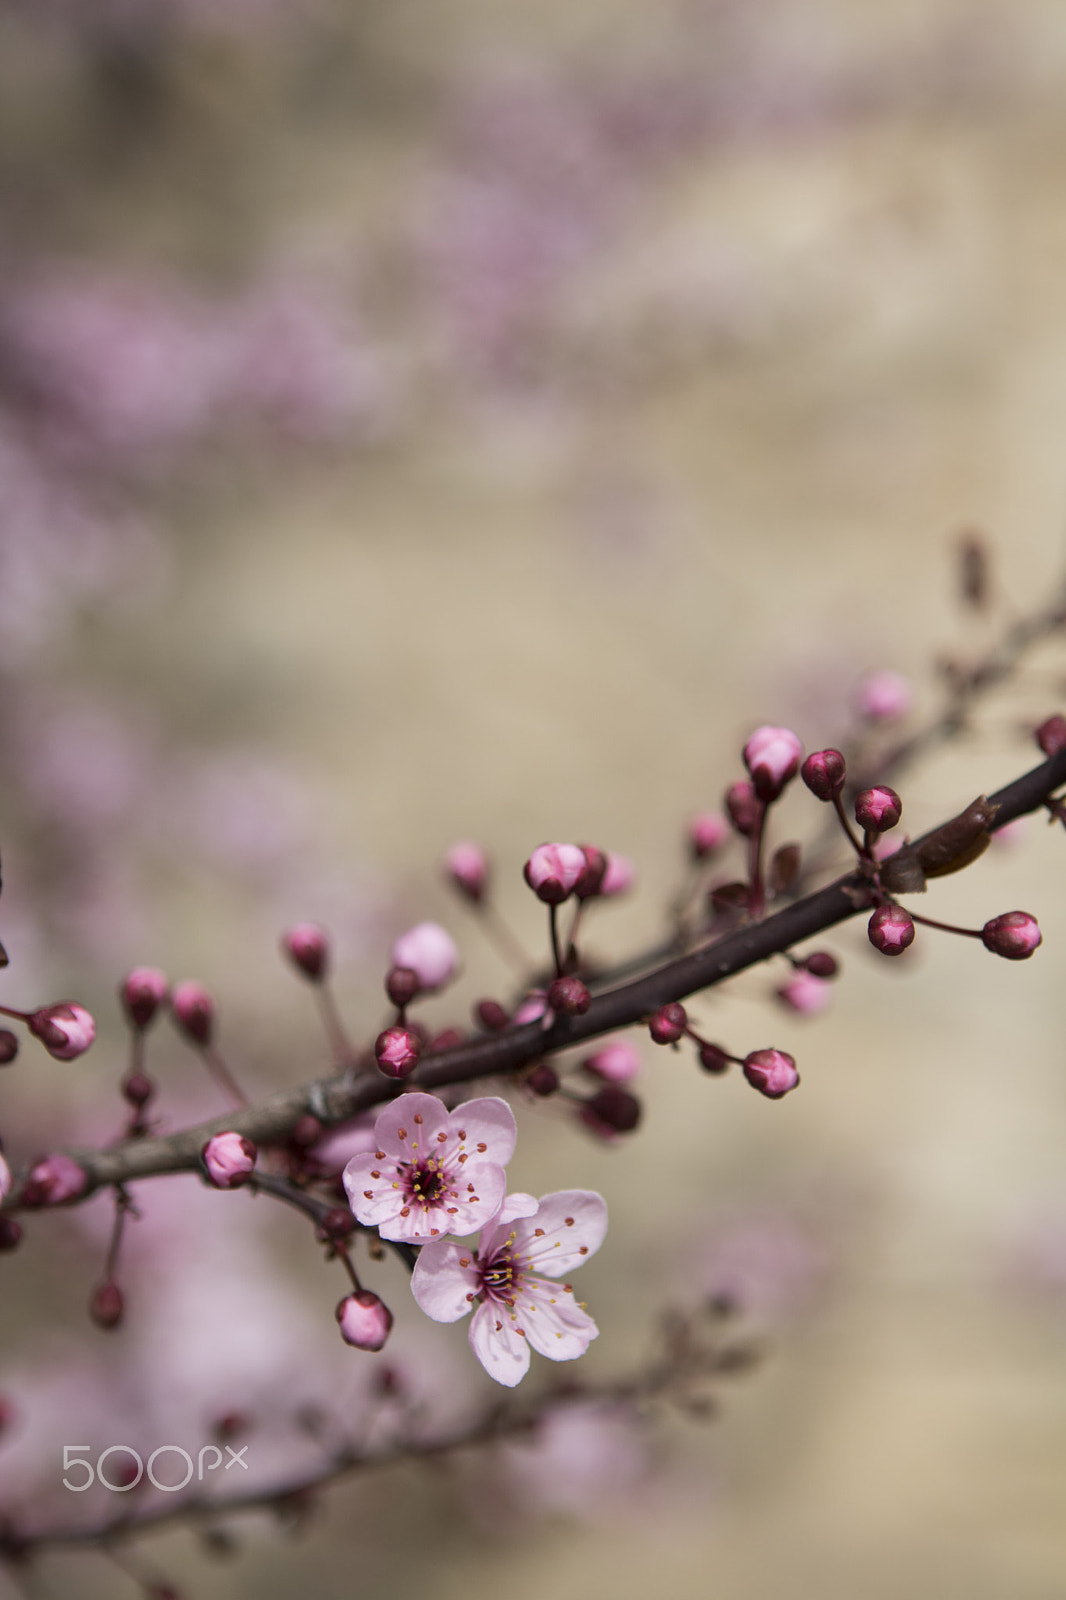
column 432, row 1172
column 509, row 1279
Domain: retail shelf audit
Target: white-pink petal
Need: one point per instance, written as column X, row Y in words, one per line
column 441, row 1284
column 398, row 1117
column 488, row 1122
column 569, row 1227
column 555, row 1325
column 500, row 1348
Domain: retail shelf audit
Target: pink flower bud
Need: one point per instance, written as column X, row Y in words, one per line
column 467, row 865
column 822, row 964
column 707, row 832
column 890, row 930
column 804, row 993
column 554, row 870
column 106, row 1306
column 772, row 756
column 743, row 807
column 397, row 1051
column 668, row 1024
column 491, row 1016
column 365, row 1321
column 66, row 1030
column 620, row 875
column 615, row 1062
column 337, row 1223
column 229, row 1159
column 307, row 947
column 142, row 993
column 430, row 952
column 1051, row 735
column 824, row 773
column 53, row 1181
column 590, row 883
column 884, row 696
column 772, row 1072
column 543, row 1080
column 137, row 1090
column 9, row 1047
column 611, row 1111
column 1014, row 935
column 569, row 997
column 194, row 1012
column 5, row 1178
column 878, row 809
column 10, row 1234
column 401, row 986
column 533, row 1008
column 713, row 1059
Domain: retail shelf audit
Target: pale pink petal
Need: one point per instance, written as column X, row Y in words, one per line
column 485, row 1129
column 373, row 1200
column 568, row 1228
column 498, row 1346
column 555, row 1325
column 442, row 1285
column 517, row 1205
column 401, row 1116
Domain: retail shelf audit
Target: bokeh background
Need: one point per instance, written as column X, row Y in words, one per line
column 445, row 419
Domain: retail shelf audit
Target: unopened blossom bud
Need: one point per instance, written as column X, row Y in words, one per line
column 467, row 866
column 5, row 1178
column 401, row 986
column 744, row 808
column 10, row 1234
column 543, row 1080
column 307, row 947
column 142, row 992
column 890, row 930
column 1014, row 935
column 396, row 1052
column 884, row 696
column 615, row 1062
column 824, row 773
column 590, row 883
column 229, row 1159
column 805, row 993
column 53, row 1181
column 668, row 1024
column 137, row 1089
column 619, row 877
column 194, row 1011
column 106, row 1306
column 611, row 1110
column 534, row 1008
column 772, row 1072
column 491, row 1016
column 9, row 1047
column 430, row 952
column 336, row 1223
column 306, row 1131
column 772, row 756
column 707, row 832
column 569, row 997
column 714, row 1059
column 822, row 964
column 365, row 1321
column 66, row 1030
column 554, row 870
column 1051, row 735
column 230, row 1425
column 878, row 809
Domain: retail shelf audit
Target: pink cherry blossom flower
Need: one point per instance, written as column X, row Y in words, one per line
column 428, row 951
column 509, row 1277
column 432, row 1172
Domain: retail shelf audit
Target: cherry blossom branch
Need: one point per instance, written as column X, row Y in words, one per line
column 337, row 1098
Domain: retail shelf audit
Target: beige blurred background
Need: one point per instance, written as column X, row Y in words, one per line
column 702, row 468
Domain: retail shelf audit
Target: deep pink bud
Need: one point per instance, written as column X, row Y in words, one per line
column 10, row 1233
column 365, row 1321
column 143, row 991
column 397, row 1051
column 106, row 1306
column 569, row 997
column 1051, row 735
column 467, row 866
column 668, row 1024
column 772, row 1072
column 1014, row 935
column 137, row 1089
column 890, row 930
column 805, row 993
column 707, row 832
column 554, row 870
column 590, row 883
column 543, row 1079
column 878, row 809
column 714, row 1059
column 430, row 952
column 772, row 756
column 401, row 986
column 824, row 773
column 620, row 875
column 306, row 1131
column 66, row 1030
column 307, row 947
column 491, row 1016
column 615, row 1062
column 229, row 1159
column 884, row 696
column 822, row 964
column 611, row 1111
column 9, row 1047
column 54, row 1180
column 533, row 1008
column 743, row 807
column 337, row 1223
column 194, row 1011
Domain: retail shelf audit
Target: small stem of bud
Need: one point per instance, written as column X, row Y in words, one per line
column 944, row 927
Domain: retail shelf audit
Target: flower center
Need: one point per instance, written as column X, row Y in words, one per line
column 426, row 1182
column 501, row 1276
